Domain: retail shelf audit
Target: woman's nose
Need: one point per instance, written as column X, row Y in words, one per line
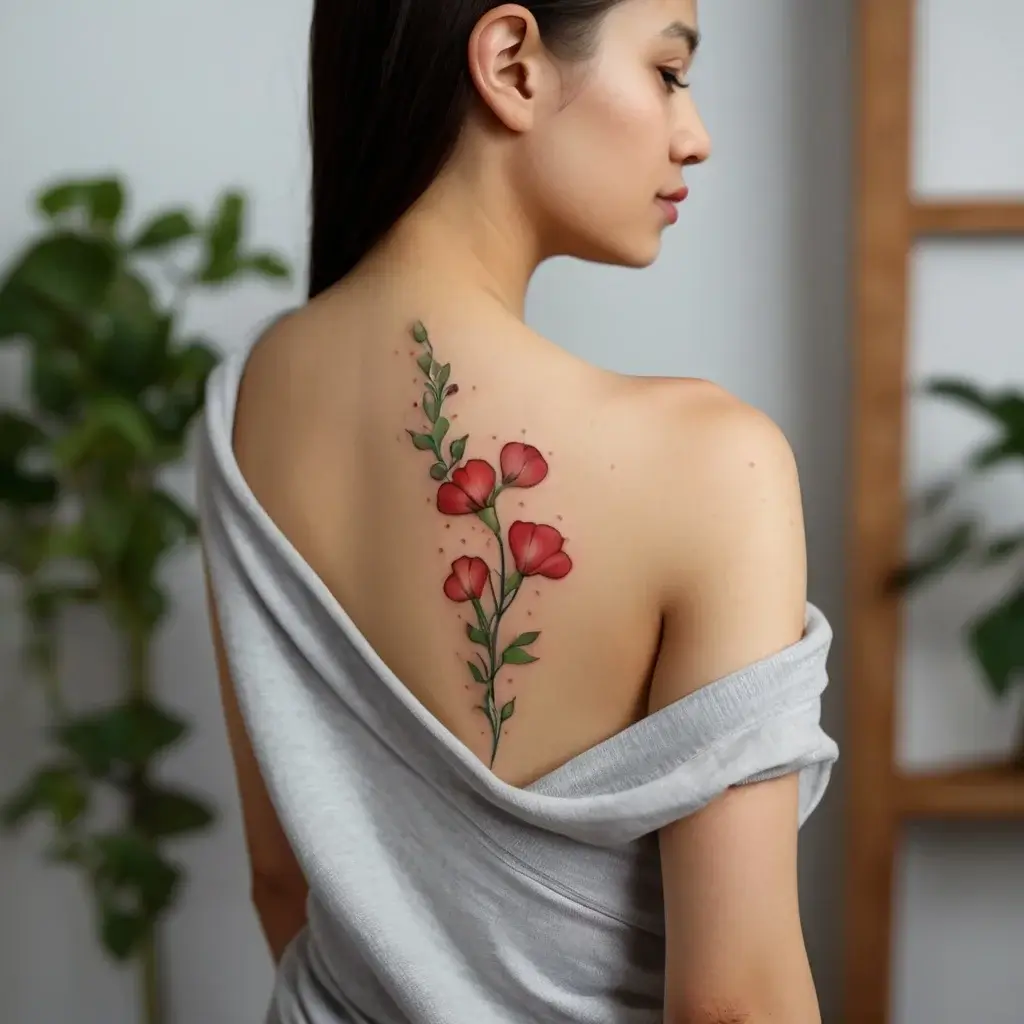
column 691, row 143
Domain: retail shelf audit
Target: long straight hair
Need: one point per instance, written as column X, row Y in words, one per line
column 389, row 90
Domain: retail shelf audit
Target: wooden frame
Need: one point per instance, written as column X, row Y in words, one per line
column 888, row 222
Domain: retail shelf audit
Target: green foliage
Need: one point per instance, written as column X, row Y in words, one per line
column 995, row 638
column 113, row 387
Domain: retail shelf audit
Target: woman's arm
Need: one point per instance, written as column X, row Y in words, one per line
column 277, row 885
column 735, row 948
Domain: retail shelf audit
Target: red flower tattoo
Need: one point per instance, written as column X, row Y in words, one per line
column 522, row 465
column 473, row 489
column 469, row 491
column 537, row 550
column 468, row 579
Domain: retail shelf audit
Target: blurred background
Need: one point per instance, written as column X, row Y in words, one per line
column 172, row 138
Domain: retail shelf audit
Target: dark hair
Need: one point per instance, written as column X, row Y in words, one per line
column 389, row 89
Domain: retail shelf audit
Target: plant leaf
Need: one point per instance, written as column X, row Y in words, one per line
column 129, row 863
column 442, row 376
column 525, row 639
column 107, row 417
column 101, row 200
column 478, row 636
column 21, row 488
column 24, row 490
column 997, row 452
column 17, row 435
column 56, row 378
column 189, row 366
column 131, row 351
column 458, row 448
column 419, row 332
column 150, row 605
column 513, row 581
column 159, row 523
column 424, row 442
column 58, row 199
column 431, row 406
column 997, row 640
column 67, row 541
column 165, row 812
column 935, row 497
column 129, row 733
column 439, row 431
column 106, row 202
column 961, row 391
column 71, row 271
column 1002, row 548
column 57, row 789
column 164, row 230
column 179, row 396
column 267, row 264
column 425, row 362
column 222, row 240
column 946, row 553
column 1005, row 407
column 516, row 656
column 25, row 313
column 475, row 672
column 121, row 932
column 508, row 710
column 107, row 520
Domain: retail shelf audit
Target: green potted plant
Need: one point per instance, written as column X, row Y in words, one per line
column 996, row 637
column 86, row 518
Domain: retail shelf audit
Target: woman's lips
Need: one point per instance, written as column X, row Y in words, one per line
column 668, row 203
column 669, row 209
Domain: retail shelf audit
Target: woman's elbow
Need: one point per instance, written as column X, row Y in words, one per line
column 277, row 886
column 744, row 1013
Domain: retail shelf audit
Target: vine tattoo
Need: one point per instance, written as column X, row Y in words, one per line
column 529, row 549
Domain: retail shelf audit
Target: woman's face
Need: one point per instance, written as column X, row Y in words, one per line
column 599, row 159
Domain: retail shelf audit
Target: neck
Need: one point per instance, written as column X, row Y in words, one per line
column 461, row 231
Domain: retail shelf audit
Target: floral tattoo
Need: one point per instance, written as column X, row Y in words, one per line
column 472, row 488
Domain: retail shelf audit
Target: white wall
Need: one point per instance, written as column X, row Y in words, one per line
column 190, row 96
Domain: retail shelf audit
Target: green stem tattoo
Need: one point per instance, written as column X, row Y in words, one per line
column 536, row 549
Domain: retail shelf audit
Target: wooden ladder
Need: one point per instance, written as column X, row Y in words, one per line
column 889, row 220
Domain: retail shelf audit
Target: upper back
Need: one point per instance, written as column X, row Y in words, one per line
column 556, row 483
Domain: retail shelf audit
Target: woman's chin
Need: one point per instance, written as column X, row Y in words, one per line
column 635, row 252
column 642, row 253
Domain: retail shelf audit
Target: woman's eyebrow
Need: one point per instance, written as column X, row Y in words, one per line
column 680, row 30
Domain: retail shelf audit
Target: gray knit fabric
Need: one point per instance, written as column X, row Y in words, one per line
column 439, row 894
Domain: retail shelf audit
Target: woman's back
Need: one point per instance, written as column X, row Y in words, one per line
column 433, row 884
column 518, row 669
column 329, row 403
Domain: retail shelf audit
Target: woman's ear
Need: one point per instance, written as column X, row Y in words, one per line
column 509, row 64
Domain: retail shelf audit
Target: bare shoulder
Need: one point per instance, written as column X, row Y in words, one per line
column 279, row 427
column 729, row 549
column 703, row 436
column 280, row 383
column 272, row 363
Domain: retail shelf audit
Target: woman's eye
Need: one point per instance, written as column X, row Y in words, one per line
column 672, row 80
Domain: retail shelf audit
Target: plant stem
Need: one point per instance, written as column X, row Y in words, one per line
column 152, row 1009
column 138, row 682
column 499, row 611
column 138, row 662
column 51, row 688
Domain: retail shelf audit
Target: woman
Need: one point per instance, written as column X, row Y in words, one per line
column 520, row 677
